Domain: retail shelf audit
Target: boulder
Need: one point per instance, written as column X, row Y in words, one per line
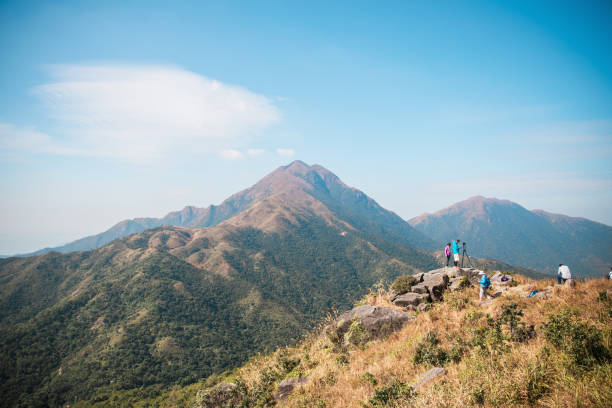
column 458, row 283
column 433, row 283
column 570, row 282
column 411, row 299
column 428, row 377
column 420, row 288
column 286, row 387
column 378, row 321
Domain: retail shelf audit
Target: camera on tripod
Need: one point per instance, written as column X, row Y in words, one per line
column 464, row 253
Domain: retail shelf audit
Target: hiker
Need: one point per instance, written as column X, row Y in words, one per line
column 456, row 247
column 484, row 285
column 610, row 273
column 563, row 274
column 447, row 252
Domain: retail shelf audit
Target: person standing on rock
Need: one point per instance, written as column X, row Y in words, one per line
column 563, row 274
column 485, row 283
column 456, row 248
column 447, row 252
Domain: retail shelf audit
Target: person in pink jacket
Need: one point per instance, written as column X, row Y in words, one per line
column 447, row 252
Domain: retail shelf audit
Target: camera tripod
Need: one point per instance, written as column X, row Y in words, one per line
column 465, row 254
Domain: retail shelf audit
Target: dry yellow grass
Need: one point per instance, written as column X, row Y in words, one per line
column 519, row 374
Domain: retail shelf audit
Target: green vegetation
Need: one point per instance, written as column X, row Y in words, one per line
column 101, row 324
column 428, row 351
column 396, row 393
column 403, row 284
column 582, row 343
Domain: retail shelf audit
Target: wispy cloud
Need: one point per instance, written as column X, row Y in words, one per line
column 139, row 113
column 231, row 154
column 285, row 152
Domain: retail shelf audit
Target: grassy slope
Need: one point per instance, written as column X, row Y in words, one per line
column 498, row 372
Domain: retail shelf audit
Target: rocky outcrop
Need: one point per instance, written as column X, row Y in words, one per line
column 411, row 299
column 433, row 283
column 286, row 387
column 377, row 321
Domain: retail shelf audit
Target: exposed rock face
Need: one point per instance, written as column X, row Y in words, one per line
column 459, row 283
column 287, row 386
column 428, row 377
column 434, row 283
column 411, row 299
column 378, row 321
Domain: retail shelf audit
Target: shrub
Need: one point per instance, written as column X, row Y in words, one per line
column 286, row 364
column 342, row 359
column 403, row 284
column 228, row 395
column 357, row 334
column 581, row 342
column 394, row 393
column 477, row 395
column 428, row 351
column 464, row 282
column 511, row 316
column 457, row 350
column 368, row 378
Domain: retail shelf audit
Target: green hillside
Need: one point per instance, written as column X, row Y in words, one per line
column 136, row 314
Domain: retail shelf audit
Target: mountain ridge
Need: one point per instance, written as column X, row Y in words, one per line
column 507, row 231
column 294, row 178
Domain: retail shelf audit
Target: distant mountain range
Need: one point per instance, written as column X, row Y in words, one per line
column 536, row 239
column 291, row 184
column 173, row 304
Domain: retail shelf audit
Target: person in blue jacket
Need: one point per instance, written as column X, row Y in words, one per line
column 456, row 248
column 484, row 285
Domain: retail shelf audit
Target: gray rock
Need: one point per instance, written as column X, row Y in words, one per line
column 393, row 296
column 411, row 299
column 434, row 284
column 428, row 377
column 286, row 387
column 378, row 321
column 455, row 283
column 420, row 288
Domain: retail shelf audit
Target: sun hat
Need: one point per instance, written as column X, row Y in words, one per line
column 481, row 273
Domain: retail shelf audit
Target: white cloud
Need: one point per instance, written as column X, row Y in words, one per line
column 285, row 152
column 231, row 154
column 146, row 112
column 255, row 152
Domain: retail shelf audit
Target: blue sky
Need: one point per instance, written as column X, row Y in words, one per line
column 113, row 110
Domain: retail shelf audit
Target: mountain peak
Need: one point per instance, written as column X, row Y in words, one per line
column 297, row 165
